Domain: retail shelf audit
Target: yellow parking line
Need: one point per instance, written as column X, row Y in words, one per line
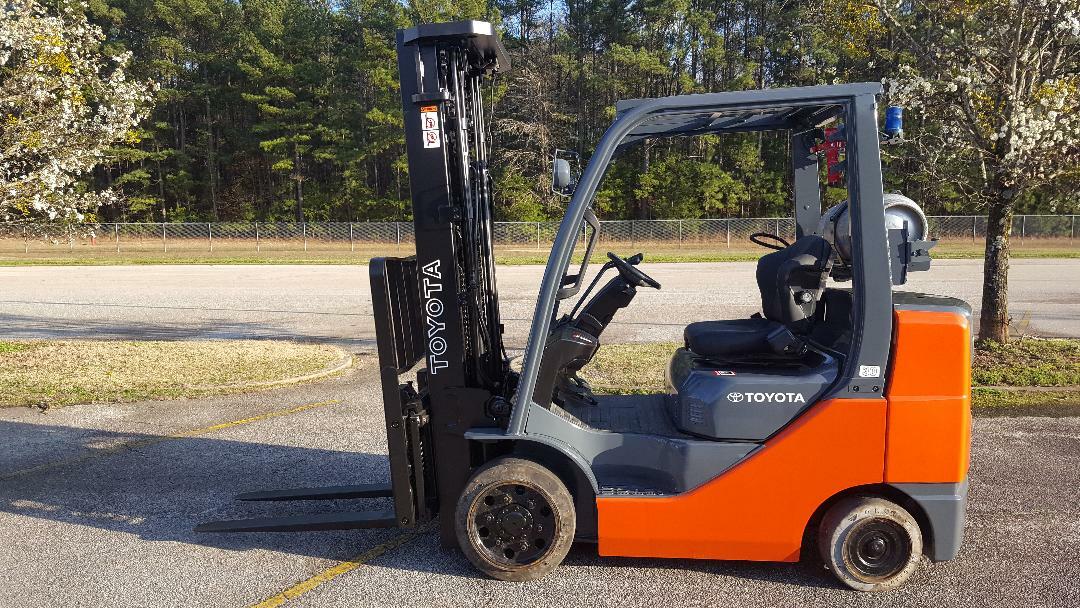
column 139, row 443
column 260, row 417
column 344, row 567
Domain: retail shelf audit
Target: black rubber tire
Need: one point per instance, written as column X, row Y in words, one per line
column 848, row 521
column 521, row 472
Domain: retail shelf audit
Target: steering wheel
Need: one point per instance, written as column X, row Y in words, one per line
column 757, row 237
column 628, row 270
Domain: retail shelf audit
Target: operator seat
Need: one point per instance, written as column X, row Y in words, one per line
column 791, row 281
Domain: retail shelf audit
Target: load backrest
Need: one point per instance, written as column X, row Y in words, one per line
column 791, row 281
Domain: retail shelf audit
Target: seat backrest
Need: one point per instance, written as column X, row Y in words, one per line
column 791, row 281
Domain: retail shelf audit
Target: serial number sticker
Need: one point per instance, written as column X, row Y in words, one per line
column 431, row 139
column 869, row 371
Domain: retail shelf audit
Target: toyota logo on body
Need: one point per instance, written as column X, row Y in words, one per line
column 766, row 397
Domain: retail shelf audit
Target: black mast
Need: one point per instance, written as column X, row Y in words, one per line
column 443, row 68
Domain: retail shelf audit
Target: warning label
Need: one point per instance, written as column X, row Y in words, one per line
column 429, row 122
column 431, row 139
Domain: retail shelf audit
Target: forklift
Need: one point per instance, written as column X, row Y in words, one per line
column 834, row 425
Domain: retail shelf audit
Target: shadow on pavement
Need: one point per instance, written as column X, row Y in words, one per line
column 429, row 556
column 159, row 488
column 803, row 574
column 21, row 327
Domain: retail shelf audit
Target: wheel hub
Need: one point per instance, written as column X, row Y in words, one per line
column 875, row 548
column 515, row 521
column 513, row 525
column 878, row 548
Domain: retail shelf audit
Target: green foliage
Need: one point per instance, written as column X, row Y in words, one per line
column 517, row 199
column 288, row 109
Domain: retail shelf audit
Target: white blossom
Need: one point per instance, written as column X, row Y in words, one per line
column 999, row 87
column 62, row 105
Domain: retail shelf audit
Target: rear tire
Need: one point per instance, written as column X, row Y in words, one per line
column 870, row 544
column 515, row 520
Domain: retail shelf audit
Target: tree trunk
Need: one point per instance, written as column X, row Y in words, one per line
column 994, row 319
column 299, row 186
column 643, row 202
column 210, row 164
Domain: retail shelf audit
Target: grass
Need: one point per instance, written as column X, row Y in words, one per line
column 657, row 252
column 50, row 373
column 1027, row 376
column 501, row 258
column 630, row 368
column 241, row 252
column 988, row 402
column 965, row 250
column 1028, row 362
column 13, row 347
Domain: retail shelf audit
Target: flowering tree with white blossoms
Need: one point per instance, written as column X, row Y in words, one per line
column 63, row 103
column 999, row 80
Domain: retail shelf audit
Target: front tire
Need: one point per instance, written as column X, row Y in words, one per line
column 870, row 544
column 515, row 520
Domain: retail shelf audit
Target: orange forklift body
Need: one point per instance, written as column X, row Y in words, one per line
column 929, row 394
column 759, row 509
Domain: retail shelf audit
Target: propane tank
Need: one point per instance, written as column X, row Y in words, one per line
column 835, row 225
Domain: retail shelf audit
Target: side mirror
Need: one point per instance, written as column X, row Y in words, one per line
column 563, row 175
column 560, row 175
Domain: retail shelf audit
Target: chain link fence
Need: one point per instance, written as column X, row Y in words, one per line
column 378, row 238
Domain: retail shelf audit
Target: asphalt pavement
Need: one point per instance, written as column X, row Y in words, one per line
column 97, row 504
column 333, row 303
